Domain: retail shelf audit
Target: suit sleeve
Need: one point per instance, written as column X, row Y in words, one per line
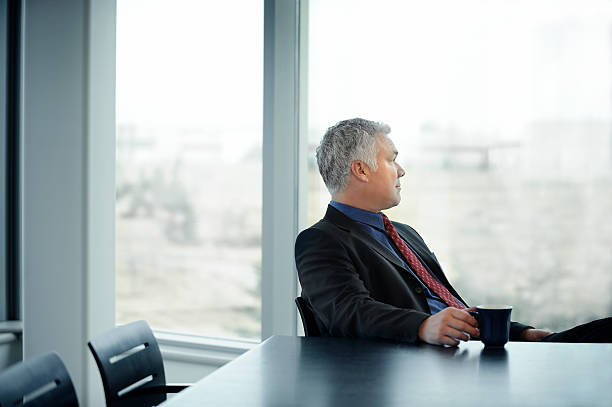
column 516, row 329
column 339, row 298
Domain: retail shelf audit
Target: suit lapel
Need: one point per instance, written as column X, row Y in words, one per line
column 344, row 222
column 341, row 220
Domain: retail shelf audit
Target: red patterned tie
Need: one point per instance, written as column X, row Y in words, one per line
column 420, row 270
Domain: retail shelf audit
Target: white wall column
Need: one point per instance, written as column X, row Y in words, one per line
column 68, row 181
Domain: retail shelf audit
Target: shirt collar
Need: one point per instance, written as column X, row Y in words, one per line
column 373, row 219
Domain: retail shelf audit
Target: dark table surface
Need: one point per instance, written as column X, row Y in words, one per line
column 298, row 371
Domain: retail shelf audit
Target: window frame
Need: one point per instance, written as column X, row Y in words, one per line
column 10, row 160
column 3, row 160
column 284, row 172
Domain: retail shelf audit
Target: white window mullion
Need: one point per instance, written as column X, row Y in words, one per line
column 284, row 114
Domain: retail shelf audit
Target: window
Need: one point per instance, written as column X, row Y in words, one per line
column 501, row 112
column 189, row 167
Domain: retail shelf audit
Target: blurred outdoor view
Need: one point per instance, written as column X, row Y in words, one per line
column 501, row 112
column 189, row 134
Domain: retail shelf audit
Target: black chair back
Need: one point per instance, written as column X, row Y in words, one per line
column 37, row 382
column 308, row 319
column 130, row 363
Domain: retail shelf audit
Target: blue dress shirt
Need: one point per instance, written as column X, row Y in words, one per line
column 372, row 224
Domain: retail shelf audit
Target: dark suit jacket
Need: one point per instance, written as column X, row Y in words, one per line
column 357, row 288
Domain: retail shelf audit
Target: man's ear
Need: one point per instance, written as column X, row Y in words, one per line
column 360, row 170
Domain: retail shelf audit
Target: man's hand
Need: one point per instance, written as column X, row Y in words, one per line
column 449, row 326
column 534, row 334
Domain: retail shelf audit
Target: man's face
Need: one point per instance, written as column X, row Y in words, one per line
column 385, row 181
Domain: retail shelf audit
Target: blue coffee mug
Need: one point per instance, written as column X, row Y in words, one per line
column 493, row 323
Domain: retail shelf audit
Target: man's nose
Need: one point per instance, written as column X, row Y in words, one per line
column 400, row 171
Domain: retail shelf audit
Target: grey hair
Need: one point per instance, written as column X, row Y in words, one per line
column 343, row 143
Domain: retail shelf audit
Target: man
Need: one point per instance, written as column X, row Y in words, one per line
column 365, row 276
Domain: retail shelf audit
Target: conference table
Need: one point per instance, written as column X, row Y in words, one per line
column 318, row 371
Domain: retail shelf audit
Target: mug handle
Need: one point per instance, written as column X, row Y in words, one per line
column 475, row 315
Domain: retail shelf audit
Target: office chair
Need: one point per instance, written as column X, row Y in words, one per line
column 40, row 381
column 308, row 318
column 131, row 366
